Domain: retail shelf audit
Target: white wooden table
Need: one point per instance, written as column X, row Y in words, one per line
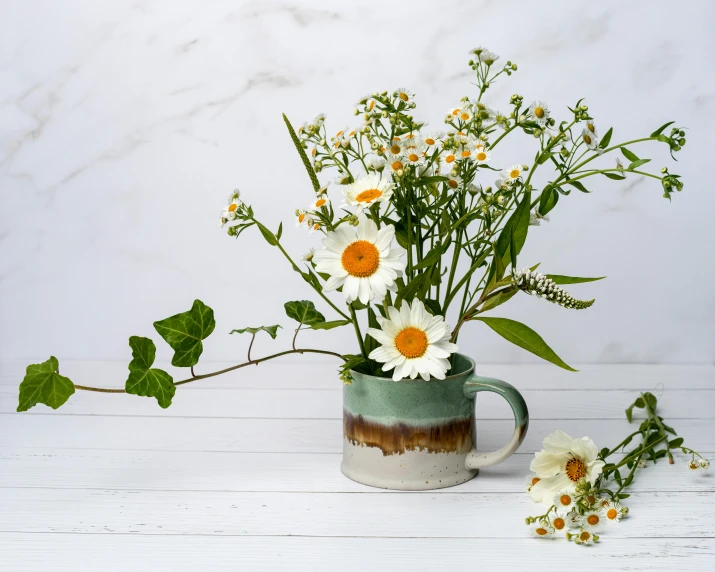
column 242, row 473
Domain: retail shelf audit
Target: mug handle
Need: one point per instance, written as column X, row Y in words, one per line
column 478, row 459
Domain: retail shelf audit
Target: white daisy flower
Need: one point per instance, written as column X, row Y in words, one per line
column 342, row 179
column 542, row 529
column 367, row 191
column 613, row 511
column 319, row 119
column 454, row 181
column 512, row 174
column 396, row 164
column 313, row 226
column 319, row 202
column 363, row 260
column 375, row 162
column 564, row 501
column 693, row 465
column 530, row 481
column 488, row 57
column 465, row 113
column 404, row 94
column 589, row 139
column 396, row 148
column 584, row 537
column 308, row 256
column 414, row 342
column 478, row 50
column 414, row 154
column 562, row 463
column 500, row 119
column 433, row 138
column 593, row 520
column 301, row 218
column 704, row 463
column 559, row 522
column 592, row 128
column 539, row 112
column 481, row 155
column 450, row 157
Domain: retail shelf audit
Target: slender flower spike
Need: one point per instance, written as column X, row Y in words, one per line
column 543, row 287
column 362, row 261
column 414, row 342
column 562, row 463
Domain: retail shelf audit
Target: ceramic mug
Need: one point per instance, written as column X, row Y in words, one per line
column 418, row 435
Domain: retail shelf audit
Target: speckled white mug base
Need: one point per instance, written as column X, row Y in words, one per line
column 409, row 471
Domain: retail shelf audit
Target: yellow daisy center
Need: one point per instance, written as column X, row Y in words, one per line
column 575, row 469
column 514, row 173
column 319, row 203
column 585, row 536
column 397, row 165
column 361, row 259
column 565, row 500
column 587, row 139
column 455, row 112
column 430, row 141
column 395, row 149
column 371, row 105
column 541, row 531
column 301, row 217
column 534, row 481
column 368, row 195
column 465, row 116
column 453, row 183
column 413, row 157
column 232, row 207
column 404, row 96
column 466, row 153
column 449, row 159
column 612, row 513
column 539, row 112
column 411, row 342
column 593, row 519
column 481, row 156
column 591, row 127
column 559, row 523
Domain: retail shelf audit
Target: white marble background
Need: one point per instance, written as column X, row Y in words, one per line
column 124, row 125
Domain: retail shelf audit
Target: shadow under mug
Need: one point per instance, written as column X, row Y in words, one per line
column 419, row 435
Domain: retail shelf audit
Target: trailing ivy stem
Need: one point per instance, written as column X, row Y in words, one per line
column 249, row 357
column 295, row 336
column 253, row 337
column 222, row 371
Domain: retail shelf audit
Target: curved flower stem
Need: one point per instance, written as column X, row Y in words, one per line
column 357, row 331
column 222, row 371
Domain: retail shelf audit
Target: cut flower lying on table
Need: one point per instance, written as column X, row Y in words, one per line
column 571, row 476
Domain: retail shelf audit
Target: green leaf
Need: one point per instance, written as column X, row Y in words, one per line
column 614, row 176
column 498, row 299
column 638, row 163
column 43, row 384
column 303, row 312
column 623, row 495
column 433, row 306
column 675, row 443
column 429, row 180
column 639, row 403
column 604, row 452
column 661, row 129
column 526, row 338
column 544, row 157
column 184, row 332
column 630, row 155
column 270, row 330
column 303, row 156
column 280, row 231
column 433, row 255
column 559, row 279
column 267, row 234
column 650, row 399
column 145, row 380
column 370, row 342
column 578, row 185
column 606, row 139
column 330, row 325
column 518, row 224
column 629, row 414
column 548, row 199
column 408, row 292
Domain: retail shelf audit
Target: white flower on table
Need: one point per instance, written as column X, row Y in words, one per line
column 562, row 463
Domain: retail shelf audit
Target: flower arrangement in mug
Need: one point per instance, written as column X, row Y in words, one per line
column 420, row 233
column 583, row 489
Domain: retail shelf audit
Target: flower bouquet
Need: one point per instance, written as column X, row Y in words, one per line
column 419, row 226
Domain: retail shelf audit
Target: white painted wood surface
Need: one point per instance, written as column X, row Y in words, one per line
column 242, row 473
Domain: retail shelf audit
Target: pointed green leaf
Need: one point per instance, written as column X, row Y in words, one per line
column 330, row 325
column 630, row 155
column 267, row 234
column 270, row 330
column 303, row 312
column 661, row 129
column 548, row 199
column 498, row 299
column 675, row 443
column 526, row 338
column 606, row 139
column 638, row 163
column 430, row 180
column 143, row 379
column 518, row 224
column 559, row 279
column 42, row 384
column 184, row 332
column 578, row 185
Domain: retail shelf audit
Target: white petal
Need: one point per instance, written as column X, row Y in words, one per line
column 364, row 292
column 333, row 283
column 396, row 317
column 558, row 442
column 546, row 464
column 384, row 238
column 351, row 288
column 545, row 489
column 380, row 336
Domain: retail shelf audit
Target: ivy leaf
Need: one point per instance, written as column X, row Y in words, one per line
column 526, row 338
column 270, row 330
column 184, row 332
column 303, row 312
column 559, row 279
column 42, row 384
column 145, row 380
column 330, row 325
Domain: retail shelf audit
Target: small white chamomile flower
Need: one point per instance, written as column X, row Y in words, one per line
column 592, row 128
column 512, row 174
column 542, row 529
column 414, row 155
column 449, row 158
column 319, row 202
column 308, row 256
column 584, row 537
column 342, row 179
column 301, row 218
column 704, row 463
column 375, row 162
column 454, row 181
column 564, row 501
column 539, row 113
column 481, row 155
column 488, row 57
column 433, row 138
column 613, row 511
column 694, row 465
column 593, row 520
column 404, row 94
column 589, row 139
column 530, row 481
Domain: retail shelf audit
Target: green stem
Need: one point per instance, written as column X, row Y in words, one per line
column 357, row 331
